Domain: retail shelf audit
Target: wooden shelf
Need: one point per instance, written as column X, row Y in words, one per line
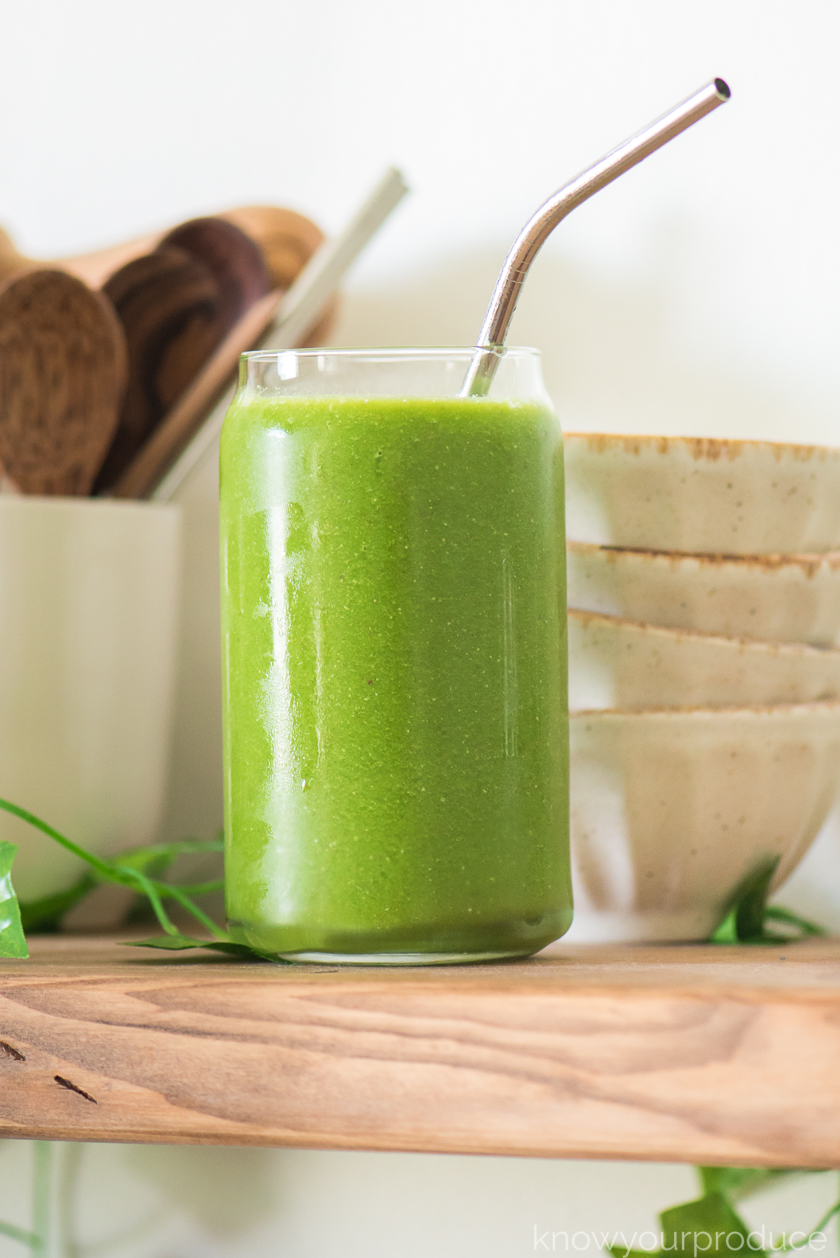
column 690, row 1053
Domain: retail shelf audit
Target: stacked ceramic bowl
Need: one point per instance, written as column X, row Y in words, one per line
column 704, row 674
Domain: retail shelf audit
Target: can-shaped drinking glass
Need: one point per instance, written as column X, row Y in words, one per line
column 394, row 641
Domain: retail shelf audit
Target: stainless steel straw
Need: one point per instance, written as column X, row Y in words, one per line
column 540, row 225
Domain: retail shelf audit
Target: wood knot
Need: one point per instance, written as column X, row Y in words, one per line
column 71, row 1087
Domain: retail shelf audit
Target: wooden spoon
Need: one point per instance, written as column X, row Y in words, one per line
column 170, row 308
column 287, row 240
column 62, row 375
column 10, row 260
column 234, row 258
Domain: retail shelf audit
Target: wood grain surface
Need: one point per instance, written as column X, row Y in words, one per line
column 688, row 1053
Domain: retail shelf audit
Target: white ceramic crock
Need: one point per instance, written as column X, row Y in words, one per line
column 88, row 619
column 701, row 495
column 776, row 598
column 615, row 663
column 670, row 810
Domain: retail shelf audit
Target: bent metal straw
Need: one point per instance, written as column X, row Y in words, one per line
column 530, row 240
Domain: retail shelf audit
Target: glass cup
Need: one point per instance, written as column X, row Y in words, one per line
column 394, row 638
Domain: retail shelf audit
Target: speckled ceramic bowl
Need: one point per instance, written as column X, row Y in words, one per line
column 699, row 495
column 776, row 598
column 671, row 810
column 615, row 663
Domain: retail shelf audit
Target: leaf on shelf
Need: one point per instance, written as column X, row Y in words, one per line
column 746, row 916
column 177, row 943
column 12, row 938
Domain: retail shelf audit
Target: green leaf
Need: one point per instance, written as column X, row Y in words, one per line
column 747, row 913
column 177, row 943
column 743, row 920
column 702, row 1227
column 726, row 932
column 12, row 938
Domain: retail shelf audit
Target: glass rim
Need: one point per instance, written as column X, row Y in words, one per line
column 396, row 352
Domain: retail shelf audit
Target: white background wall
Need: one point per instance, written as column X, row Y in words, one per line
column 699, row 295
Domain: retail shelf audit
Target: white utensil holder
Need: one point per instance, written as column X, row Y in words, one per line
column 88, row 632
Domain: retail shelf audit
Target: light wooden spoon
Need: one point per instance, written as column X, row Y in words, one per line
column 287, row 240
column 92, row 268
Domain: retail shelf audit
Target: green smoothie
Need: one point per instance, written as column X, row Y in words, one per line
column 396, row 761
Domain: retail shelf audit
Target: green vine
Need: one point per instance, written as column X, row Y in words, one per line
column 139, row 869
column 38, row 1240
